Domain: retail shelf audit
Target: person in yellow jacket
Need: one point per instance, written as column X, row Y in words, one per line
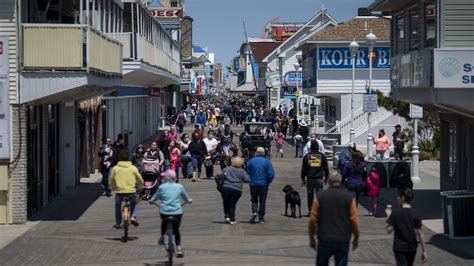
column 125, row 180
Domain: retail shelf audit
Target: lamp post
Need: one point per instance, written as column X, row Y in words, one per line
column 297, row 66
column 371, row 39
column 353, row 46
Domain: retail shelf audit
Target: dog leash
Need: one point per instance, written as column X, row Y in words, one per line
column 300, row 187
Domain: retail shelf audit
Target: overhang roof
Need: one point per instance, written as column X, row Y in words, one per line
column 390, row 5
column 261, row 49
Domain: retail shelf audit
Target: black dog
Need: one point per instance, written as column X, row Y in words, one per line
column 293, row 198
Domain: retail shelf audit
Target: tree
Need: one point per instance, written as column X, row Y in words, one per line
column 428, row 126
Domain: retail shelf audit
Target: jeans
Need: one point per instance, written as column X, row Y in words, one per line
column 197, row 163
column 187, row 168
column 230, row 197
column 327, row 249
column 258, row 198
column 118, row 206
column 405, row 258
column 314, row 186
column 355, row 190
column 398, row 151
column 176, row 233
column 299, row 150
column 105, row 178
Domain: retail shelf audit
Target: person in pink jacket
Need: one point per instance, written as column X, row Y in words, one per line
column 382, row 144
column 372, row 184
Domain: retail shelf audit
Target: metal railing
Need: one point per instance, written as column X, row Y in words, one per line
column 69, row 47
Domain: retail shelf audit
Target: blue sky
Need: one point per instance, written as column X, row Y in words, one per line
column 218, row 23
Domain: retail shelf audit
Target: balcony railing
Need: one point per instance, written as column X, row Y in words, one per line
column 413, row 69
column 65, row 47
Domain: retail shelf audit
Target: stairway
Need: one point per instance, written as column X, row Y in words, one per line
column 343, row 127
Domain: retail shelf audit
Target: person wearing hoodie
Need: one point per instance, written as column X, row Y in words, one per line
column 125, row 180
column 138, row 156
column 117, row 148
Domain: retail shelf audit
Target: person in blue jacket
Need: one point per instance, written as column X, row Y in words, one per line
column 261, row 173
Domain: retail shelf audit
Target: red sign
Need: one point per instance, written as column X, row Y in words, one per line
column 282, row 33
column 167, row 13
column 155, row 92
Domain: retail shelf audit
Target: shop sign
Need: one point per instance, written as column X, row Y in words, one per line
column 293, row 79
column 454, row 68
column 187, row 39
column 340, row 58
column 155, row 92
column 284, row 32
column 167, row 13
column 416, row 111
column 289, row 93
column 274, row 79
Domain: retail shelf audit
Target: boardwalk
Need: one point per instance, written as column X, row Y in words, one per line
column 77, row 229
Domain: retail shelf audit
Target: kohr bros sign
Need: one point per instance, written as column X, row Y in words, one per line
column 340, row 58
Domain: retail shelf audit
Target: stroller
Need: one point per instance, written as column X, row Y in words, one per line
column 151, row 176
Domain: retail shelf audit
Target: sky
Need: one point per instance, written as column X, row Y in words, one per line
column 218, row 23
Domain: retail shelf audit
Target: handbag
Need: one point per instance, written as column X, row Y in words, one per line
column 220, row 178
column 208, row 162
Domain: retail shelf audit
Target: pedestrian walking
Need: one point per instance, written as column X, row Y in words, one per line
column 406, row 224
column 304, row 132
column 106, row 160
column 261, row 174
column 198, row 151
column 298, row 141
column 373, row 184
column 186, row 161
column 117, row 148
column 307, row 148
column 279, row 139
column 211, row 147
column 231, row 191
column 313, row 170
column 353, row 173
column 334, row 218
column 399, row 139
column 382, row 145
column 138, row 156
column 294, row 126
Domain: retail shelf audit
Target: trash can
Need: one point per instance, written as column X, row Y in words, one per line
column 458, row 217
column 336, row 150
column 382, row 168
column 399, row 172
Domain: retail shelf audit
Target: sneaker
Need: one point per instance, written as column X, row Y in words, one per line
column 161, row 241
column 227, row 221
column 212, row 178
column 233, row 222
column 261, row 220
column 179, row 253
column 108, row 194
column 134, row 222
column 193, row 180
column 254, row 217
column 117, row 226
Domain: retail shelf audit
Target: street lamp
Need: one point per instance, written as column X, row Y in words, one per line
column 370, row 39
column 297, row 66
column 353, row 46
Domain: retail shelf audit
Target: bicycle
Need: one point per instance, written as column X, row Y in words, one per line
column 125, row 218
column 169, row 238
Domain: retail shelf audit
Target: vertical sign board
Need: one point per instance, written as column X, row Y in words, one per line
column 370, row 103
column 416, row 111
column 4, row 100
column 187, row 40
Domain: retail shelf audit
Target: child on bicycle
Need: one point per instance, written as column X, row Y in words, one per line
column 125, row 180
column 170, row 193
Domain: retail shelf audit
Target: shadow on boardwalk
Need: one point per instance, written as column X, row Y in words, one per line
column 71, row 205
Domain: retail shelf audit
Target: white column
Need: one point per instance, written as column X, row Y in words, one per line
column 352, row 132
column 370, row 142
column 415, row 155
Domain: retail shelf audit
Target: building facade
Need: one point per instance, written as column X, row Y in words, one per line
column 432, row 57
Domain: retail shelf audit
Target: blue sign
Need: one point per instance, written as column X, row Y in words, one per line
column 340, row 58
column 292, row 78
column 289, row 93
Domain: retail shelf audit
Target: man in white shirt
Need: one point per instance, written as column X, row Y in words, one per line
column 211, row 146
column 307, row 148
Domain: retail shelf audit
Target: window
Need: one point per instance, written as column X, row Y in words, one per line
column 452, row 149
column 430, row 24
column 174, row 4
column 400, row 34
column 414, row 26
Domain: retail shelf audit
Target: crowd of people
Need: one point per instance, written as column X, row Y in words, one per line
column 333, row 211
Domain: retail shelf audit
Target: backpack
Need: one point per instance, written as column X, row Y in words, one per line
column 220, row 178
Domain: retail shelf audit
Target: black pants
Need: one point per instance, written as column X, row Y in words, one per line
column 210, row 171
column 230, row 197
column 327, row 249
column 405, row 258
column 314, row 186
column 258, row 198
column 177, row 234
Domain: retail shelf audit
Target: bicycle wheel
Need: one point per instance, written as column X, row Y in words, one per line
column 125, row 221
column 171, row 244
